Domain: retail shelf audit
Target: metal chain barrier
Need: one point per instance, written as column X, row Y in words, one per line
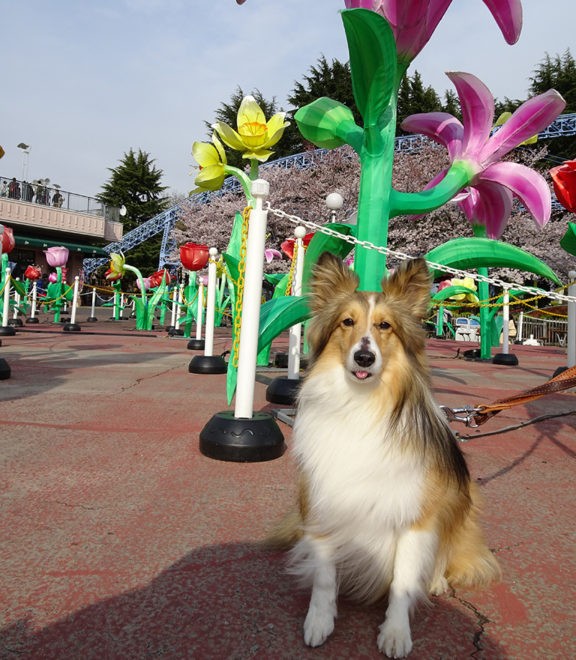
column 403, row 257
column 240, row 286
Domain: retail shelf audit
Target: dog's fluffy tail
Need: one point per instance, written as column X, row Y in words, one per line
column 472, row 564
column 286, row 533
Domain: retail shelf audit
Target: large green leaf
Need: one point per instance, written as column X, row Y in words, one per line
column 471, row 253
column 322, row 243
column 568, row 241
column 451, row 291
column 278, row 315
column 373, row 61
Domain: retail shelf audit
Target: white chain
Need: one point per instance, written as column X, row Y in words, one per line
column 402, row 256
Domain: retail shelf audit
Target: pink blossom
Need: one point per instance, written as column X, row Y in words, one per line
column 494, row 183
column 56, row 256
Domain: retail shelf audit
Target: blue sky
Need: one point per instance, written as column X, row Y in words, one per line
column 85, row 81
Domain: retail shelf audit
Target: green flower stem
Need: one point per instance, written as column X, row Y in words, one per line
column 483, row 296
column 458, row 176
column 376, row 158
column 138, row 274
column 244, row 180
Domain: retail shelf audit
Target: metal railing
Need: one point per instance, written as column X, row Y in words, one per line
column 40, row 193
column 549, row 332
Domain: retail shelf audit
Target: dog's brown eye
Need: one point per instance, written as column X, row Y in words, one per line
column 383, row 325
column 348, row 322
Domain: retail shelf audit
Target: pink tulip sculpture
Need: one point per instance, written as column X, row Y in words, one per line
column 57, row 257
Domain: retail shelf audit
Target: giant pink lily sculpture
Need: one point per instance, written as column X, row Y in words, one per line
column 494, row 183
column 414, row 21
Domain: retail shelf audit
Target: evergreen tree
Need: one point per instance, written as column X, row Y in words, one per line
column 559, row 73
column 414, row 97
column 136, row 184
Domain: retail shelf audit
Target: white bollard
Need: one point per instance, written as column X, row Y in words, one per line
column 295, row 332
column 93, row 308
column 17, row 300
column 34, row 299
column 74, row 301
column 251, row 302
column 179, row 306
column 6, row 307
column 520, row 326
column 200, row 311
column 571, row 334
column 173, row 311
column 210, row 304
column 506, row 322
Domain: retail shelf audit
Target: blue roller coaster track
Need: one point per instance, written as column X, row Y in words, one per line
column 563, row 126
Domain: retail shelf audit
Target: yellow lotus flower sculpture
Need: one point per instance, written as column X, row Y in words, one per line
column 212, row 161
column 255, row 135
column 469, row 283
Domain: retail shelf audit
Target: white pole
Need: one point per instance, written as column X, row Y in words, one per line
column 178, row 307
column 210, row 304
column 295, row 332
column 74, row 300
column 6, row 308
column 520, row 326
column 93, row 310
column 16, row 302
column 506, row 322
column 173, row 314
column 251, row 302
column 200, row 311
column 34, row 299
column 571, row 334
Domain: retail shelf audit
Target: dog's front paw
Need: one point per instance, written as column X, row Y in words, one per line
column 318, row 625
column 439, row 586
column 394, row 641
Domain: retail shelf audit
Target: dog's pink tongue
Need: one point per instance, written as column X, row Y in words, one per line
column 361, row 375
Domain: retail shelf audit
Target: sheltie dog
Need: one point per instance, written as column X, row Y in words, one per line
column 385, row 502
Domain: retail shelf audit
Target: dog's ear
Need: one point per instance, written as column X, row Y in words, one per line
column 330, row 277
column 411, row 283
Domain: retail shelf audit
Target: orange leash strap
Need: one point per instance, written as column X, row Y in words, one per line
column 563, row 381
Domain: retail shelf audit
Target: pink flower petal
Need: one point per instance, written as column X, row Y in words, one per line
column 530, row 118
column 508, row 15
column 477, row 110
column 440, row 127
column 493, row 207
column 529, row 186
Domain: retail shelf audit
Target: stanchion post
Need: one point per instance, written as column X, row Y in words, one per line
column 571, row 333
column 72, row 326
column 6, row 329
column 242, row 435
column 295, row 332
column 92, row 318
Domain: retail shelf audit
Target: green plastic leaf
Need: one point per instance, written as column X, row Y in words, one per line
column 235, row 241
column 328, row 124
column 278, row 315
column 568, row 241
column 321, row 243
column 373, row 62
column 471, row 253
column 451, row 291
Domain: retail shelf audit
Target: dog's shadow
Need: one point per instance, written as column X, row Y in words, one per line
column 233, row 601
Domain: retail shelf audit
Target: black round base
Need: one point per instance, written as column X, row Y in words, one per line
column 175, row 332
column 7, row 331
column 71, row 327
column 558, row 371
column 196, row 345
column 508, row 359
column 91, row 319
column 229, row 438
column 207, row 364
column 16, row 323
column 283, row 390
column 4, row 369
column 32, row 320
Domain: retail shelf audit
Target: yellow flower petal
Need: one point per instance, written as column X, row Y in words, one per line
column 250, row 112
column 229, row 136
column 205, row 154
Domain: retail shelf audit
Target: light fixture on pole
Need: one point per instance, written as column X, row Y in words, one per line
column 334, row 201
column 25, row 153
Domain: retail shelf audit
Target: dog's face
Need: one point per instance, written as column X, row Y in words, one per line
column 367, row 333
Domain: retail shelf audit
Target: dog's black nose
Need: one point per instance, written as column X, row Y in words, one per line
column 364, row 358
